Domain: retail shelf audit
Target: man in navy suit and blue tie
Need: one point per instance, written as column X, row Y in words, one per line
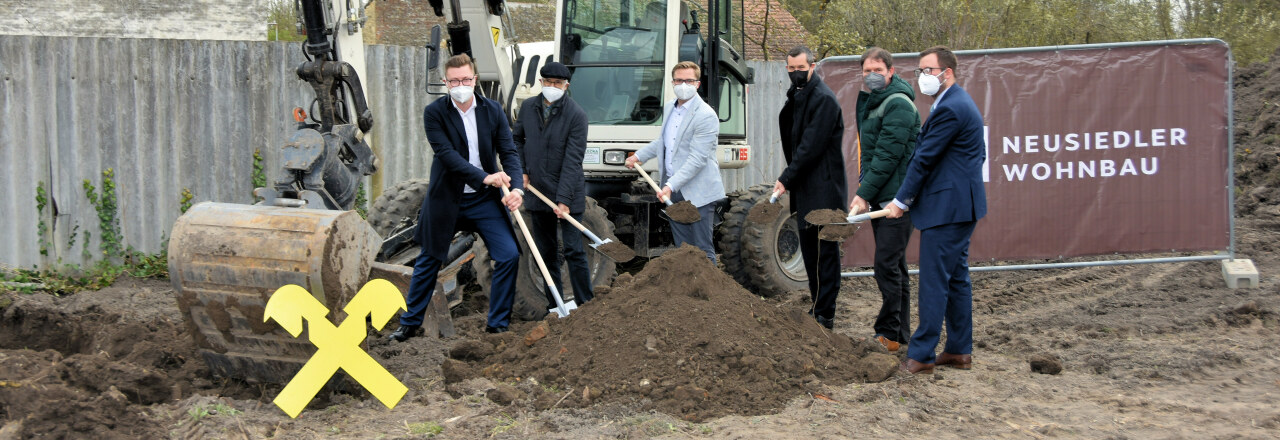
column 943, row 189
column 467, row 133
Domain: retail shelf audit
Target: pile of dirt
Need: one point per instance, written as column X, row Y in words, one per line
column 1257, row 139
column 680, row 337
column 88, row 367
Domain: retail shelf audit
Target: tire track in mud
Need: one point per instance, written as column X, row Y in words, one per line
column 1001, row 294
column 1012, row 310
column 1098, row 319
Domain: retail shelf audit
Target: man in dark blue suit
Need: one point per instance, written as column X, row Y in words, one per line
column 943, row 189
column 467, row 133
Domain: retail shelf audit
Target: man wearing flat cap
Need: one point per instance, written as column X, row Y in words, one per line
column 551, row 135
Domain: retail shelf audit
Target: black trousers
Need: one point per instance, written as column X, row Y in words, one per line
column 544, row 229
column 822, row 265
column 892, row 236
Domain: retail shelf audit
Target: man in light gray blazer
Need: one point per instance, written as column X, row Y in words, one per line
column 686, row 152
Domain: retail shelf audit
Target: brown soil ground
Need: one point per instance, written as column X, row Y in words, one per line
column 1146, row 351
column 681, row 338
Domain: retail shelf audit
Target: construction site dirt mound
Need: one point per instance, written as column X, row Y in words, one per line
column 89, row 365
column 681, row 337
column 1257, row 139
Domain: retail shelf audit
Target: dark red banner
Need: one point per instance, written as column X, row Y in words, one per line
column 1091, row 150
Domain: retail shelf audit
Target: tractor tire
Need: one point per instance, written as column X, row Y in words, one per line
column 395, row 207
column 771, row 252
column 530, row 303
column 729, row 233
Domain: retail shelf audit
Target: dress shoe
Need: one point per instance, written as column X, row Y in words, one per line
column 915, row 367
column 960, row 361
column 888, row 344
column 404, row 333
column 488, row 329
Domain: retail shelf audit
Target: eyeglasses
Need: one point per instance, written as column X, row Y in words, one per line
column 553, row 82
column 462, row 81
column 678, row 81
column 927, row 70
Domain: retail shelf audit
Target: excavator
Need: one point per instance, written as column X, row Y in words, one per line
column 226, row 260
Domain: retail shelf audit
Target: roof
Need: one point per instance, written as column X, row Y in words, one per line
column 769, row 21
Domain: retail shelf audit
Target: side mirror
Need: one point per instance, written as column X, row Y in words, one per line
column 435, row 81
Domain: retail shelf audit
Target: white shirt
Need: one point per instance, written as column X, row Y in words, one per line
column 939, row 98
column 473, row 137
column 670, row 132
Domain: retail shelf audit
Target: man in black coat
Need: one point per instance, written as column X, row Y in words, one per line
column 812, row 128
column 551, row 135
column 467, row 133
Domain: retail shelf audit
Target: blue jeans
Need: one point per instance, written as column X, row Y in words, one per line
column 699, row 233
column 494, row 224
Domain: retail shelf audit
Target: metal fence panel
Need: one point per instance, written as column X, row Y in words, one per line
column 397, row 93
column 164, row 115
column 764, row 101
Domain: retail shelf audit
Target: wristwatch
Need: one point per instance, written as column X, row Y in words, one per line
column 518, row 191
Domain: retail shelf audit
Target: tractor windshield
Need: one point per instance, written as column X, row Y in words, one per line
column 616, row 49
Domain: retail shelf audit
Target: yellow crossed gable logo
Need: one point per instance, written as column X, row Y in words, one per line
column 337, row 346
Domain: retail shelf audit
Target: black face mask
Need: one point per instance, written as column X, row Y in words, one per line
column 799, row 78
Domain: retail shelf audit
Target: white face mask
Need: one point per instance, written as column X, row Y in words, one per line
column 552, row 94
column 461, row 94
column 685, row 92
column 929, row 84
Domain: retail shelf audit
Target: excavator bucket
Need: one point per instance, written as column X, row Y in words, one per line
column 226, row 260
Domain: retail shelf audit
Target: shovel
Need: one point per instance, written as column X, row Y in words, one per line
column 560, row 309
column 683, row 212
column 765, row 212
column 615, row 251
column 835, row 230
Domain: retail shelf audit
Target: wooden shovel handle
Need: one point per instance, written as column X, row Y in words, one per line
column 553, row 206
column 868, row 216
column 654, row 185
column 537, row 256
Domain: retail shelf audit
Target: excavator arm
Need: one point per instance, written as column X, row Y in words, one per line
column 226, row 260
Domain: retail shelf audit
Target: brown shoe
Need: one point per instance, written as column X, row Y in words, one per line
column 914, row 367
column 888, row 344
column 959, row 361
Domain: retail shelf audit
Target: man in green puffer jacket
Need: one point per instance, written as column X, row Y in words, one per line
column 888, row 124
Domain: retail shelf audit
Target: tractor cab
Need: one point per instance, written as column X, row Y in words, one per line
column 621, row 53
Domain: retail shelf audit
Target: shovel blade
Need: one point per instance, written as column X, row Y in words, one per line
column 838, row 231
column 764, row 213
column 568, row 307
column 826, row 217
column 684, row 212
column 614, row 251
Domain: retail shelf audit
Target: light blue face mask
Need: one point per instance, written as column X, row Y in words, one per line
column 685, row 92
column 552, row 94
